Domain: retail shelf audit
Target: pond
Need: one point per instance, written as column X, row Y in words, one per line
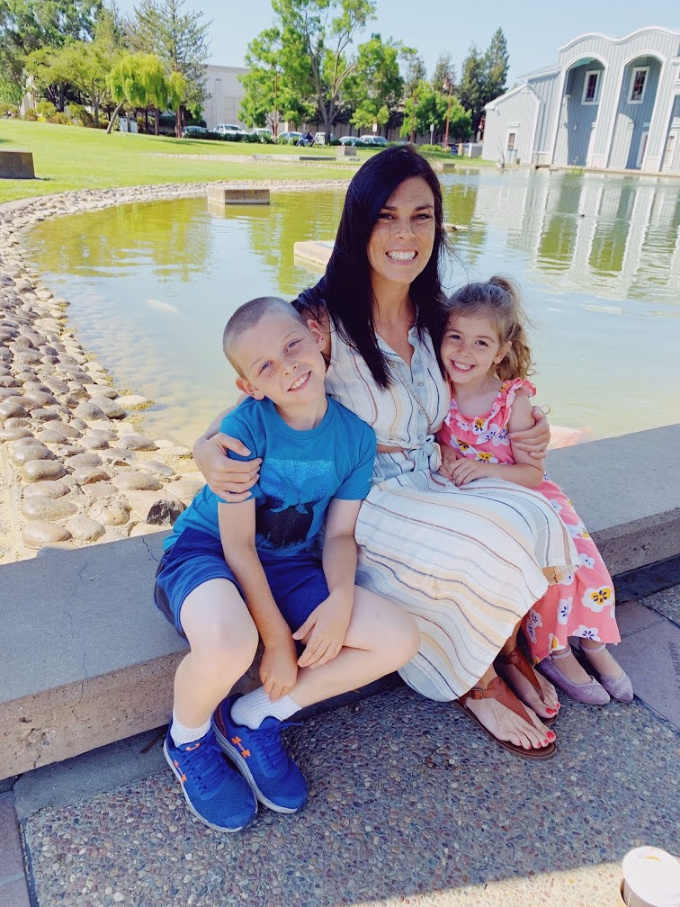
column 598, row 258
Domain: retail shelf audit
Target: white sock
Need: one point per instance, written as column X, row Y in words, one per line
column 181, row 734
column 254, row 707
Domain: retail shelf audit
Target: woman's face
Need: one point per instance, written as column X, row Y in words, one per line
column 402, row 240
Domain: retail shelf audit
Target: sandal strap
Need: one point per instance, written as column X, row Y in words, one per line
column 518, row 659
column 498, row 689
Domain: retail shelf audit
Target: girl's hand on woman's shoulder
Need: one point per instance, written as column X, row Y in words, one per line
column 533, row 441
column 229, row 479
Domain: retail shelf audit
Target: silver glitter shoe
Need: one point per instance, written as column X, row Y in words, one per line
column 591, row 693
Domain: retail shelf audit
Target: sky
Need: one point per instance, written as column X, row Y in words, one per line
column 534, row 31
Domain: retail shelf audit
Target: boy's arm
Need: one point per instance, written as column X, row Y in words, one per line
column 526, row 470
column 278, row 670
column 325, row 629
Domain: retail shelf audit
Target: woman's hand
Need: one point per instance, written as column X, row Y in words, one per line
column 533, row 441
column 229, row 479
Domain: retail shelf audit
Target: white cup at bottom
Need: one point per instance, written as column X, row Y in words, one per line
column 651, row 878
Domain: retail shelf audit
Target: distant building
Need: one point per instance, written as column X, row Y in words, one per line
column 224, row 95
column 609, row 104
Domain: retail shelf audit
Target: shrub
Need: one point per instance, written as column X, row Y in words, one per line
column 8, row 110
column 429, row 149
column 46, row 109
column 31, row 114
column 80, row 115
column 233, row 137
column 60, row 118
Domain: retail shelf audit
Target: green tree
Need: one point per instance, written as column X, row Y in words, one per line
column 444, row 72
column 177, row 38
column 140, row 81
column 428, row 106
column 472, row 88
column 312, row 39
column 377, row 83
column 496, row 63
column 414, row 70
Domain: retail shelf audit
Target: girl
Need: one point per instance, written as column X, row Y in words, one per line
column 487, row 360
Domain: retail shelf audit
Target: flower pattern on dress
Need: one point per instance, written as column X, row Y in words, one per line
column 476, row 436
column 564, row 610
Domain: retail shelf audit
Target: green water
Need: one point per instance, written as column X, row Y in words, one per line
column 598, row 259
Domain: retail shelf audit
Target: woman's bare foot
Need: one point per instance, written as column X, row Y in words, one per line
column 537, row 693
column 504, row 720
column 601, row 659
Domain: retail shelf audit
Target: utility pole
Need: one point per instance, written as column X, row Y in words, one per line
column 448, row 84
column 276, row 112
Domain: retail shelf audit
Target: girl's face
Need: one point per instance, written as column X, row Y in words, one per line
column 471, row 348
column 402, row 240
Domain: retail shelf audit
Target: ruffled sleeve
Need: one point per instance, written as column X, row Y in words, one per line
column 506, row 397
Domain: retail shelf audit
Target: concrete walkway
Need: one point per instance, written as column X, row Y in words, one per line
column 410, row 804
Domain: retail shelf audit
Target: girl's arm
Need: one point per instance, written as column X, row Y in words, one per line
column 526, row 470
column 534, row 438
column 229, row 479
column 325, row 629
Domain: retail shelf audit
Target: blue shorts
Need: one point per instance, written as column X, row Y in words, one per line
column 297, row 582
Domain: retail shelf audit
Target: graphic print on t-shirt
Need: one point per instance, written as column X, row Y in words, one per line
column 292, row 492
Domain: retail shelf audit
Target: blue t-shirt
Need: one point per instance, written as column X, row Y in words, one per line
column 301, row 472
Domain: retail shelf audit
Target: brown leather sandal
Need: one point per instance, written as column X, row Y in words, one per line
column 498, row 689
column 518, row 660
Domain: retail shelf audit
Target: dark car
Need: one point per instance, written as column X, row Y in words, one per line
column 377, row 140
column 195, row 132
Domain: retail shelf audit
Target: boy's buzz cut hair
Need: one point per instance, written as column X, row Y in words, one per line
column 248, row 316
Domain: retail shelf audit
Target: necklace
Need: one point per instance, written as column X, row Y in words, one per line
column 412, row 395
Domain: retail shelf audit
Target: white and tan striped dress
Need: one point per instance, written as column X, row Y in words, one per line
column 465, row 562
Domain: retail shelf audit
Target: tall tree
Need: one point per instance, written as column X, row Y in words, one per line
column 472, row 88
column 414, row 70
column 141, row 81
column 496, row 63
column 444, row 72
column 314, row 39
column 377, row 82
column 268, row 95
column 178, row 38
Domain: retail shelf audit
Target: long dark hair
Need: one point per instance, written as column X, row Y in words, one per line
column 345, row 289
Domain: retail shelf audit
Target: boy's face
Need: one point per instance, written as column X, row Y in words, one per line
column 281, row 359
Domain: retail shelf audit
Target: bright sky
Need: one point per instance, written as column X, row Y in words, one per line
column 534, row 31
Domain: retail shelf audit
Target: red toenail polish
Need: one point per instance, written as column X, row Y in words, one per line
column 552, row 736
column 551, row 711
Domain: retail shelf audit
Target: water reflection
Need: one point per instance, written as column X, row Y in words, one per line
column 598, row 258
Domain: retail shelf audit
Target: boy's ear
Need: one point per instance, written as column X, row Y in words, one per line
column 317, row 333
column 247, row 388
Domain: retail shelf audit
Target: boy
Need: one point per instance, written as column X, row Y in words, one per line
column 233, row 572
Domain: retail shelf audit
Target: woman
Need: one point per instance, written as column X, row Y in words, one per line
column 467, row 563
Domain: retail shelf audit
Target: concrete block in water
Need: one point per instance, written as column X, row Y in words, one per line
column 243, row 195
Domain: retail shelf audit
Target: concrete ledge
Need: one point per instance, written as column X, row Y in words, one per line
column 16, row 165
column 219, row 195
column 86, row 659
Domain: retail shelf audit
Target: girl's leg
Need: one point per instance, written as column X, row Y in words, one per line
column 601, row 658
column 381, row 638
column 223, row 640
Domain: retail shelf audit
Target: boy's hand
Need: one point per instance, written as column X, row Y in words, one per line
column 465, row 471
column 278, row 669
column 324, row 630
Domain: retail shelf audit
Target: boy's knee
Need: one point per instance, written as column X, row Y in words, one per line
column 231, row 648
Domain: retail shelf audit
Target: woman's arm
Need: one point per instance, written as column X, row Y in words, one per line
column 229, row 479
column 533, row 440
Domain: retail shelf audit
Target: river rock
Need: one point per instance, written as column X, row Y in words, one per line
column 158, row 468
column 82, row 460
column 100, row 390
column 111, row 512
column 40, row 398
column 39, row 532
column 98, row 490
column 94, row 441
column 131, row 480
column 13, row 434
column 110, row 408
column 44, row 415
column 134, row 401
column 10, row 408
column 89, row 411
column 133, row 441
column 185, row 489
column 84, row 529
column 114, row 456
column 89, row 474
column 30, row 449
column 49, row 488
column 41, row 507
column 57, row 386
column 164, row 512
column 36, row 470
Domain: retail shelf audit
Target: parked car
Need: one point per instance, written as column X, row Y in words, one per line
column 289, row 137
column 193, row 132
column 350, row 140
column 264, row 130
column 230, row 129
column 320, row 138
column 373, row 140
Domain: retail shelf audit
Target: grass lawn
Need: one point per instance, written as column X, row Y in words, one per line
column 70, row 157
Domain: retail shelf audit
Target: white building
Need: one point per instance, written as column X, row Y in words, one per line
column 224, row 95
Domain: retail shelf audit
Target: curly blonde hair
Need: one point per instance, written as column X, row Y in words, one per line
column 498, row 299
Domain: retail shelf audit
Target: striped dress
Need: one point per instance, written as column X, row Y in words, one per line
column 465, row 562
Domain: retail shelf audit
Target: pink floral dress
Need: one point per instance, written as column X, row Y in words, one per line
column 583, row 603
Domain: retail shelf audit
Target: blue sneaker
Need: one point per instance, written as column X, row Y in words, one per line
column 260, row 757
column 215, row 793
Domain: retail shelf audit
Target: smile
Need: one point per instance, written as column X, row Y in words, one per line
column 401, row 256
column 462, row 366
column 301, row 381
